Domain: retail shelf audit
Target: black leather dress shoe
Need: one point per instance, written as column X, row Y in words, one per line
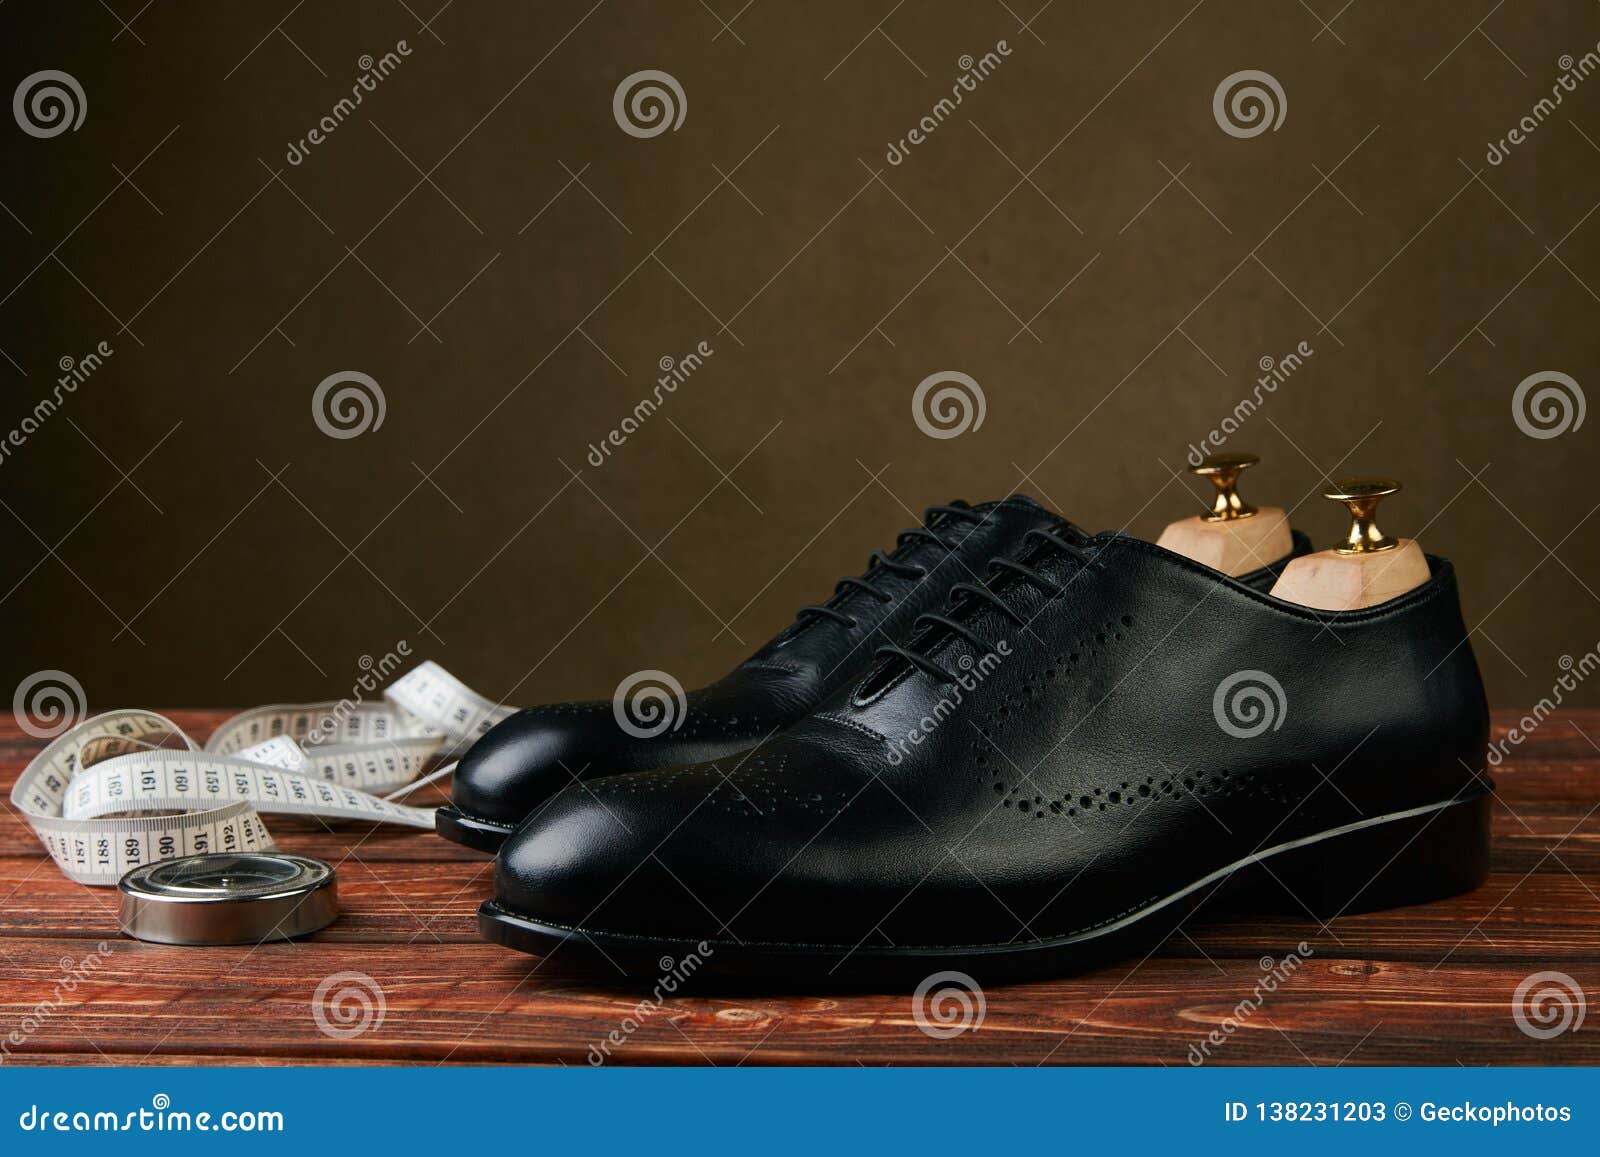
column 525, row 759
column 1053, row 771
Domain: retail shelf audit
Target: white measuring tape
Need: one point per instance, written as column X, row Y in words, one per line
column 105, row 797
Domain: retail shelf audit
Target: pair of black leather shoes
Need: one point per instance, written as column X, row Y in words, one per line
column 1010, row 748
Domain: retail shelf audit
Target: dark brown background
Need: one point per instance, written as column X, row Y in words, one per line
column 256, row 559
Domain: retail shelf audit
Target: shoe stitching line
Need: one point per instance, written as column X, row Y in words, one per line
column 831, row 717
column 786, row 668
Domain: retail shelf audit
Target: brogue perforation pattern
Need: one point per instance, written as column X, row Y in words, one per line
column 1063, row 666
column 754, row 785
column 1025, row 800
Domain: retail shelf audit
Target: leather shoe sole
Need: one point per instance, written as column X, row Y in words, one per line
column 479, row 834
column 1409, row 857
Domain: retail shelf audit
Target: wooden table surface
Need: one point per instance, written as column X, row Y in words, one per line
column 1426, row 985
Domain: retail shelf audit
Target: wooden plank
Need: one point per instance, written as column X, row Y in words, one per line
column 1516, row 916
column 165, row 1059
column 1431, row 984
column 394, row 902
column 456, row 1002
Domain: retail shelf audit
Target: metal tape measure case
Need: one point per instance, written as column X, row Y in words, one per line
column 228, row 898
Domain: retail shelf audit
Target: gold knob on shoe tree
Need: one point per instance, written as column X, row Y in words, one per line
column 1223, row 470
column 1361, row 496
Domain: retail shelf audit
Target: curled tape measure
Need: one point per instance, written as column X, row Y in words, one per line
column 105, row 798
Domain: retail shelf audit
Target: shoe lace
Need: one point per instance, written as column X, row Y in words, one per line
column 881, row 566
column 926, row 632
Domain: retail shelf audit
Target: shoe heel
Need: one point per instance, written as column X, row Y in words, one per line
column 1389, row 864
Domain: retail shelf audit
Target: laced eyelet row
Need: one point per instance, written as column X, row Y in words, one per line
column 881, row 566
column 966, row 594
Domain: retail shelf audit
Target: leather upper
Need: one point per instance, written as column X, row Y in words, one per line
column 523, row 760
column 1152, row 722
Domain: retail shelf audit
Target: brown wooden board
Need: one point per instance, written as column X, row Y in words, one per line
column 1427, row 985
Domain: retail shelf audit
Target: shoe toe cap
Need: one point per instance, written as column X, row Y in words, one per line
column 679, row 854
column 571, row 860
column 516, row 765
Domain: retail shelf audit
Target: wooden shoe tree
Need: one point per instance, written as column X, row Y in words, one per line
column 1234, row 537
column 1366, row 569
